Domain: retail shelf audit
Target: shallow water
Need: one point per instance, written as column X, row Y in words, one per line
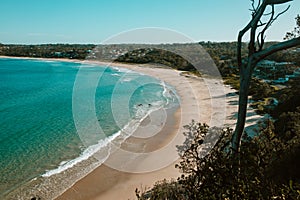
column 38, row 136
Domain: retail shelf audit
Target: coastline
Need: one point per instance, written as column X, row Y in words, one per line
column 196, row 103
column 204, row 100
column 104, row 181
column 108, row 183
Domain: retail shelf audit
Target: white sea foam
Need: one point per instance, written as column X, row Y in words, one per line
column 85, row 66
column 169, row 93
column 90, row 151
column 141, row 113
column 89, row 65
column 128, row 130
column 122, row 69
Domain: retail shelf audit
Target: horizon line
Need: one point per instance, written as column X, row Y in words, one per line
column 167, row 43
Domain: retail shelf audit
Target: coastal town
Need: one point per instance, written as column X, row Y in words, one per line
column 274, row 72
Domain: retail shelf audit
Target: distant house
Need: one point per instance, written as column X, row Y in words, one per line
column 297, row 72
column 224, row 57
column 281, row 80
column 290, row 76
column 271, row 70
column 296, row 50
column 58, row 54
column 272, row 64
column 266, row 64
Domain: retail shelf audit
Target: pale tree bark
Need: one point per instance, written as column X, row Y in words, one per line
column 256, row 53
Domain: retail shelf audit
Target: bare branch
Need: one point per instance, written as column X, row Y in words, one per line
column 253, row 7
column 281, row 14
column 261, row 24
column 261, row 35
column 254, row 56
column 267, row 14
column 253, row 23
column 276, row 47
column 275, row 2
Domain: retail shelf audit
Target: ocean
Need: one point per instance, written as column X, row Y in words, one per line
column 47, row 133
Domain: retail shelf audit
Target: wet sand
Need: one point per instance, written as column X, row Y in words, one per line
column 153, row 156
column 201, row 99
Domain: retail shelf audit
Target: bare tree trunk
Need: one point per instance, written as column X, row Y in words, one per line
column 245, row 79
column 254, row 56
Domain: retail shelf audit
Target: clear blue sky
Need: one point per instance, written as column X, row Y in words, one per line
column 92, row 21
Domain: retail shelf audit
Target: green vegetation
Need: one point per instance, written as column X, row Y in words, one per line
column 288, row 98
column 223, row 54
column 265, row 169
column 296, row 32
column 71, row 51
column 267, row 166
column 153, row 55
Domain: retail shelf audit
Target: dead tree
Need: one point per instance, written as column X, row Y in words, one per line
column 256, row 52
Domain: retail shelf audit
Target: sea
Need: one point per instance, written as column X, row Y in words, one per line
column 55, row 115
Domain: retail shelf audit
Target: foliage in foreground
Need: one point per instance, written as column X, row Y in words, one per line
column 265, row 168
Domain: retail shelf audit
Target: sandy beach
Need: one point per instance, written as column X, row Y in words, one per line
column 152, row 157
column 202, row 99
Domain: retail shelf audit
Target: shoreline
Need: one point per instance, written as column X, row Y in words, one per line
column 105, row 182
column 108, row 183
column 204, row 100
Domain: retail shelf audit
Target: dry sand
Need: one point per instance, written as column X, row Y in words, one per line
column 202, row 99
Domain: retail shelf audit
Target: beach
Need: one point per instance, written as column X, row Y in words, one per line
column 205, row 100
column 150, row 155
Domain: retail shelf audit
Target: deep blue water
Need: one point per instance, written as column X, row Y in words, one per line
column 37, row 129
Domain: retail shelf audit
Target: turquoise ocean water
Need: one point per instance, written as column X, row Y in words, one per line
column 38, row 136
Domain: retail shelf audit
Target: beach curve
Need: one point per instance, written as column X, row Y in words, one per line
column 195, row 104
column 200, row 100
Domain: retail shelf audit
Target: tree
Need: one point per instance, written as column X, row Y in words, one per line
column 295, row 32
column 266, row 170
column 257, row 28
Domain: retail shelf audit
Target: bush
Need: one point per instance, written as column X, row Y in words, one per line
column 256, row 173
column 162, row 190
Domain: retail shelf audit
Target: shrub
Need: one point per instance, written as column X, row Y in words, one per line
column 256, row 173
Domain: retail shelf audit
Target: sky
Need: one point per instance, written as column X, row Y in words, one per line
column 94, row 21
